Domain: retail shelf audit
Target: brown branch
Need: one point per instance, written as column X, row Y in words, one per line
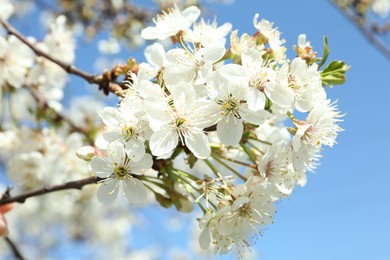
column 102, row 82
column 368, row 34
column 79, row 184
column 14, row 248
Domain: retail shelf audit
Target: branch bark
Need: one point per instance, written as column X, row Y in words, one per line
column 99, row 80
column 79, row 184
column 18, row 255
column 363, row 28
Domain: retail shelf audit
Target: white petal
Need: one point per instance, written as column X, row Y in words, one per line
column 254, row 117
column 108, row 191
column 101, row 167
column 155, row 54
column 135, row 149
column 198, row 145
column 214, row 52
column 229, row 130
column 255, row 99
column 239, row 202
column 135, row 190
column 111, row 117
column 163, row 141
column 205, row 238
column 234, row 73
column 116, row 153
column 149, row 33
column 226, row 225
column 145, row 163
column 191, row 13
column 281, row 94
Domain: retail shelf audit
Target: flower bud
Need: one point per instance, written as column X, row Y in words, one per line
column 86, row 152
column 185, row 205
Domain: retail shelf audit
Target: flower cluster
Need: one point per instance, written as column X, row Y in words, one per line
column 21, row 70
column 220, row 108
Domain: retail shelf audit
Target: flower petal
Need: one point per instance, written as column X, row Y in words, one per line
column 229, row 130
column 116, row 153
column 108, row 191
column 145, row 163
column 198, row 143
column 135, row 149
column 111, row 117
column 163, row 141
column 135, row 190
column 101, row 167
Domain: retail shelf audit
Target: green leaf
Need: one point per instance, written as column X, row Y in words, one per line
column 325, row 53
column 334, row 73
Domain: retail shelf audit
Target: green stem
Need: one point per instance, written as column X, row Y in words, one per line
column 193, row 195
column 213, row 169
column 255, row 147
column 248, row 151
column 259, row 140
column 230, row 168
column 234, row 161
column 186, row 174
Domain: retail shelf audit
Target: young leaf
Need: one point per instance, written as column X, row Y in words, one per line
column 334, row 73
column 325, row 54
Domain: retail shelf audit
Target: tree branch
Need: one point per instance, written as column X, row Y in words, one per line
column 368, row 34
column 101, row 81
column 14, row 249
column 79, row 184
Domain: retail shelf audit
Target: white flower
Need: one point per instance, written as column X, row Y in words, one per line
column 306, row 82
column 278, row 90
column 272, row 35
column 249, row 211
column 119, row 170
column 191, row 65
column 231, row 110
column 6, row 9
column 240, row 44
column 381, row 7
column 15, row 59
column 60, row 41
column 109, row 46
column 259, row 76
column 170, row 23
column 123, row 125
column 156, row 58
column 208, row 34
column 184, row 118
column 320, row 128
column 209, row 233
column 275, row 167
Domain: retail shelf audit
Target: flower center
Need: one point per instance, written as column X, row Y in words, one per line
column 293, row 82
column 120, row 172
column 180, row 122
column 230, row 105
column 128, row 132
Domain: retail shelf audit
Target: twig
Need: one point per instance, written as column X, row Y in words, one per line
column 79, row 184
column 103, row 83
column 369, row 35
column 14, row 249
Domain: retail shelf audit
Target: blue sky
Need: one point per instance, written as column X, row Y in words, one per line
column 343, row 212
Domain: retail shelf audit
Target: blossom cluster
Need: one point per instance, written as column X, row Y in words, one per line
column 25, row 75
column 220, row 108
